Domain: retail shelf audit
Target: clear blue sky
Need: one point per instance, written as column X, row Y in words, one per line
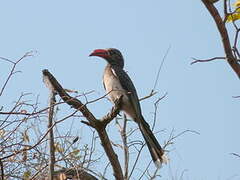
column 199, row 96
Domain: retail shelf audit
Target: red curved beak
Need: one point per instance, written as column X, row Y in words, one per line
column 100, row 53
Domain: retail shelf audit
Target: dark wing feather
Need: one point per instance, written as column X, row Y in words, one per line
column 128, row 85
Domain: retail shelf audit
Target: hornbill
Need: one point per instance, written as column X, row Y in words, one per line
column 117, row 83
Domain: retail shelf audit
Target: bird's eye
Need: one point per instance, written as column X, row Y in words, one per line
column 115, row 54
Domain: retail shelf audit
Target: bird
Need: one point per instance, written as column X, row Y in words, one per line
column 118, row 84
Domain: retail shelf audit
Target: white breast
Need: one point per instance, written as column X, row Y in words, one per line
column 115, row 90
column 113, row 86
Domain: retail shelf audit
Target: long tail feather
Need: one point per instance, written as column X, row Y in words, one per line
column 154, row 147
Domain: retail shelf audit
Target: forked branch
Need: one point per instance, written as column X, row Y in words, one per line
column 232, row 61
column 99, row 125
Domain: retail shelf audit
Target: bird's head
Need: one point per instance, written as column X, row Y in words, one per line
column 111, row 55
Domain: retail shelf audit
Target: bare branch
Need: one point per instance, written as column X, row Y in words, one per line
column 173, row 137
column 113, row 113
column 144, row 172
column 235, row 154
column 123, row 134
column 152, row 93
column 51, row 135
column 160, row 68
column 206, row 60
column 225, row 8
column 236, row 96
column 98, row 125
column 8, row 60
column 232, row 61
column 13, row 68
column 155, row 110
column 39, row 141
column 137, row 158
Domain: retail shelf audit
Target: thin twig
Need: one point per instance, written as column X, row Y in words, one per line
column 126, row 150
column 206, row 60
column 136, row 160
column 13, row 68
column 144, row 172
column 155, row 110
column 173, row 137
column 152, row 93
column 160, row 67
column 235, row 154
column 40, row 140
column 8, row 60
column 236, row 96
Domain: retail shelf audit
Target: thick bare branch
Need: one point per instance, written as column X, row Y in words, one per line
column 51, row 135
column 98, row 125
column 232, row 61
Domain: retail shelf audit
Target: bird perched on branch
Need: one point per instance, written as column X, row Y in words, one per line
column 117, row 83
